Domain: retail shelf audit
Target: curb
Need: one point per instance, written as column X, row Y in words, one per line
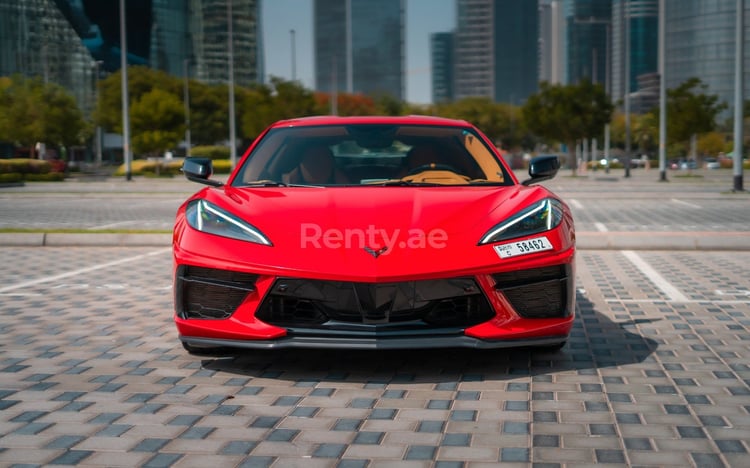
column 43, row 239
column 737, row 241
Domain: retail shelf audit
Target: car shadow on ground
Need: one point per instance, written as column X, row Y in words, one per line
column 596, row 342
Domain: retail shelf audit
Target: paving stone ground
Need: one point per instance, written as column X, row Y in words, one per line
column 655, row 374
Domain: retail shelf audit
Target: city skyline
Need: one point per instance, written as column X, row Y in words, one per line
column 423, row 17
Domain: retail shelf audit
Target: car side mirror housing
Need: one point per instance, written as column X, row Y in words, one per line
column 199, row 170
column 542, row 168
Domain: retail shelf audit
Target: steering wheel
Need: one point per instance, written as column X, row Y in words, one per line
column 433, row 167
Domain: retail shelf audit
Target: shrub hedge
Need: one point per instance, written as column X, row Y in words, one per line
column 24, row 166
column 25, row 169
column 151, row 168
column 213, row 152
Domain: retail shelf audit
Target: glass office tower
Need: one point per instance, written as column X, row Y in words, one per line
column 359, row 46
column 441, row 64
column 642, row 17
column 496, row 52
column 700, row 40
column 36, row 39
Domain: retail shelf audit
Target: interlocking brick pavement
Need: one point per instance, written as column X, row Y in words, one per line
column 91, row 374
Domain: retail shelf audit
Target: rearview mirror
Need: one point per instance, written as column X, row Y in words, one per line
column 542, row 168
column 199, row 170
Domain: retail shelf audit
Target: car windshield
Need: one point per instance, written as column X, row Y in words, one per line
column 371, row 154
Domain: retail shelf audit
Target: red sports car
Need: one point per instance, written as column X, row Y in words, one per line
column 373, row 233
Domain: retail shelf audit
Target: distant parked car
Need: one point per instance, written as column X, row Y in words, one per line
column 683, row 163
column 711, row 163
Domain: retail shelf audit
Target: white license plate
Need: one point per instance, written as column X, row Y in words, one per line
column 524, row 247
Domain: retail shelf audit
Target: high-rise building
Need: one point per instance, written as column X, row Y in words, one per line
column 170, row 43
column 700, row 42
column 441, row 64
column 496, row 50
column 36, row 39
column 588, row 24
column 359, row 46
column 66, row 41
column 552, row 42
column 210, row 31
column 641, row 18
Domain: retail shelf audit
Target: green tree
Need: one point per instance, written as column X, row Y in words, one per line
column 32, row 111
column 568, row 113
column 500, row 122
column 209, row 113
column 158, row 121
column 690, row 111
column 141, row 80
column 712, row 143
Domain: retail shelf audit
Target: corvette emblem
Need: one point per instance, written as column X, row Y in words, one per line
column 376, row 253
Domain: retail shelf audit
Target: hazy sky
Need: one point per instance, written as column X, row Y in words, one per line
column 423, row 17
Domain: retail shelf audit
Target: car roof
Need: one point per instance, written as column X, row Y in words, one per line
column 372, row 119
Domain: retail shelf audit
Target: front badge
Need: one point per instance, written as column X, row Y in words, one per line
column 527, row 246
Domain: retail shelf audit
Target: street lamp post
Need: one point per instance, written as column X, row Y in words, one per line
column 662, row 93
column 738, row 94
column 125, row 98
column 186, row 98
column 98, row 136
column 232, row 131
column 294, row 55
column 626, row 17
column 607, row 67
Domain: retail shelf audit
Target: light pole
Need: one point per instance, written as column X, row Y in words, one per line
column 738, row 94
column 607, row 67
column 186, row 98
column 626, row 17
column 98, row 136
column 294, row 56
column 662, row 93
column 232, row 131
column 124, row 82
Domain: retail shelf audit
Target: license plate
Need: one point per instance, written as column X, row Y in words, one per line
column 524, row 247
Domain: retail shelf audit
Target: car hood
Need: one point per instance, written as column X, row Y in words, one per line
column 369, row 232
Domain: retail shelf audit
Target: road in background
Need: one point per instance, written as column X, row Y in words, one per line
column 601, row 203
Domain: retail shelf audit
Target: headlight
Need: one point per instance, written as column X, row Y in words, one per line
column 539, row 217
column 207, row 217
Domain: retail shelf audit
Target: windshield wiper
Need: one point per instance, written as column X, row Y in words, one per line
column 485, row 182
column 264, row 183
column 274, row 183
column 408, row 183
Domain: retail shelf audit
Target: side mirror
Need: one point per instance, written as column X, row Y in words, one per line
column 542, row 168
column 199, row 170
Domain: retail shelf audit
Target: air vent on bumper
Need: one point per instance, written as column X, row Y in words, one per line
column 207, row 293
column 539, row 293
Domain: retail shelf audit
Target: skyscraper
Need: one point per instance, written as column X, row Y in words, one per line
column 551, row 42
column 209, row 32
column 642, row 19
column 441, row 61
column 700, row 39
column 496, row 51
column 170, row 43
column 36, row 39
column 65, row 41
column 359, row 46
column 588, row 24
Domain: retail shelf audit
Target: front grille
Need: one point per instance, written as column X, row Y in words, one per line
column 456, row 302
column 538, row 293
column 207, row 293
